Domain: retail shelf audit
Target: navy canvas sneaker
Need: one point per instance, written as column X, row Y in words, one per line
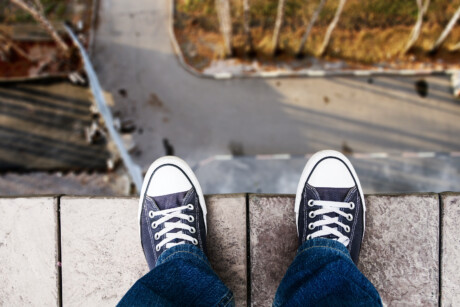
column 330, row 202
column 172, row 210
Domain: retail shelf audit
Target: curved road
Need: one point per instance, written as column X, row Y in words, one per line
column 198, row 118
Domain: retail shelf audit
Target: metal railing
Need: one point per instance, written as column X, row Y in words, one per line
column 133, row 169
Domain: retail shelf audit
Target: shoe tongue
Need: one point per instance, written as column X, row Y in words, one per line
column 170, row 201
column 333, row 194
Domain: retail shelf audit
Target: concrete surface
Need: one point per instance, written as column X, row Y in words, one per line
column 42, row 128
column 404, row 273
column 198, row 118
column 102, row 257
column 101, row 252
column 400, row 252
column 273, row 240
column 28, row 252
column 450, row 260
column 226, row 242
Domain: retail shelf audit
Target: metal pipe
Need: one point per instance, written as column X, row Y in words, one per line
column 133, row 169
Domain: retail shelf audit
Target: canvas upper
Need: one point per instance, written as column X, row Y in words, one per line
column 329, row 202
column 172, row 209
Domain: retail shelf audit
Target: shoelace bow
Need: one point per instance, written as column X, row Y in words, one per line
column 169, row 226
column 328, row 207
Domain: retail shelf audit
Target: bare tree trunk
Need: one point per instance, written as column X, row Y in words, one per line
column 44, row 22
column 446, row 31
column 39, row 6
column 225, row 21
column 331, row 27
column 246, row 26
column 425, row 6
column 422, row 8
column 456, row 47
column 314, row 17
column 278, row 24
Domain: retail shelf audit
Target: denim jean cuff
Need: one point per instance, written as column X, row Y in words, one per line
column 182, row 251
column 324, row 243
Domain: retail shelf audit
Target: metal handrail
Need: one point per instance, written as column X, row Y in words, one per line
column 133, row 169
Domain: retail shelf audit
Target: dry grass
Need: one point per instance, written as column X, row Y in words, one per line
column 369, row 31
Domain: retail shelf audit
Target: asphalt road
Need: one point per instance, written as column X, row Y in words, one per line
column 195, row 118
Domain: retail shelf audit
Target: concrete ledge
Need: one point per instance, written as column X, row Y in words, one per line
column 226, row 242
column 102, row 256
column 98, row 241
column 28, row 252
column 450, row 251
column 400, row 251
column 101, row 253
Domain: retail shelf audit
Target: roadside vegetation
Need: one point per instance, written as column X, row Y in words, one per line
column 364, row 33
column 32, row 40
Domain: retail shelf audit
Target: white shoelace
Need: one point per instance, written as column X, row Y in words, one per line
column 170, row 236
column 328, row 207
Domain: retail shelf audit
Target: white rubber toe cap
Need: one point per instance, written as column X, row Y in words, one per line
column 168, row 179
column 331, row 172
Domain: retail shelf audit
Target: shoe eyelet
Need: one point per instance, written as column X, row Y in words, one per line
column 190, row 218
column 195, row 242
column 157, row 248
column 311, row 226
column 154, row 225
column 350, row 217
column 151, row 214
column 192, row 230
column 156, row 236
column 352, row 205
column 190, row 207
column 347, row 228
column 311, row 214
column 310, row 203
column 308, row 237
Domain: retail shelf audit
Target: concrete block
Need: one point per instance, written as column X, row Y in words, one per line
column 28, row 252
column 102, row 255
column 227, row 242
column 400, row 252
column 273, row 241
column 450, row 277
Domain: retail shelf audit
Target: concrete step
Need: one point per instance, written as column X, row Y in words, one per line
column 86, row 250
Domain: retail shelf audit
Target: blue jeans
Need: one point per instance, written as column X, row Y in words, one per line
column 322, row 274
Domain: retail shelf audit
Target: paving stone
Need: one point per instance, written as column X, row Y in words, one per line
column 400, row 252
column 450, row 278
column 227, row 242
column 273, row 241
column 28, row 252
column 101, row 252
column 102, row 256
